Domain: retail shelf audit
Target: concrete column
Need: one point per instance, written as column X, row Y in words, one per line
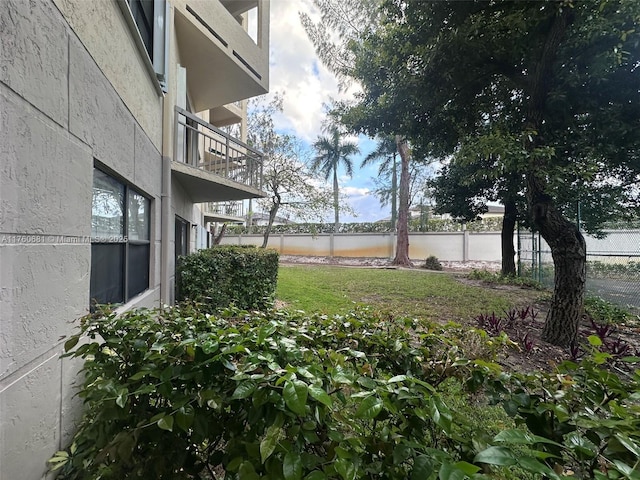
column 465, row 246
column 331, row 246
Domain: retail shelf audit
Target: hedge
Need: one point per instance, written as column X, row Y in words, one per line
column 217, row 277
column 433, row 225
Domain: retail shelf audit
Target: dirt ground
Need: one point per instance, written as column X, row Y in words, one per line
column 538, row 355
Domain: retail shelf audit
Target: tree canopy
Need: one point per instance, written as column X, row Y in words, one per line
column 331, row 152
column 558, row 78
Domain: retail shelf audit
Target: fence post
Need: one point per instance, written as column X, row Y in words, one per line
column 392, row 245
column 331, row 245
column 465, row 245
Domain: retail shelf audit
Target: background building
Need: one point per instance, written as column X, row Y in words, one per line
column 109, row 145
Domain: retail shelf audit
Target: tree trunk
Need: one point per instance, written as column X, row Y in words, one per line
column 336, row 199
column 394, row 193
column 569, row 252
column 402, row 245
column 250, row 217
column 506, row 236
column 273, row 211
column 567, row 244
column 218, row 238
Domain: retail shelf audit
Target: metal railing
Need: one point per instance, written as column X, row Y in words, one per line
column 232, row 209
column 201, row 145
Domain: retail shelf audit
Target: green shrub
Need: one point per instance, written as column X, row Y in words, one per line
column 602, row 311
column 629, row 270
column 432, row 263
column 497, row 278
column 431, row 225
column 245, row 276
column 585, row 416
column 177, row 394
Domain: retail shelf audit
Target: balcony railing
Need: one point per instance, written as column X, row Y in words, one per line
column 203, row 146
column 231, row 209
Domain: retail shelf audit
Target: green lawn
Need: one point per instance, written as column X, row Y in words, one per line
column 415, row 293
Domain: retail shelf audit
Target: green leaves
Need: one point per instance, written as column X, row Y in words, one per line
column 293, row 398
column 422, row 468
column 71, row 342
column 166, row 423
column 292, row 466
column 318, row 393
column 269, row 442
column 244, row 390
column 295, row 395
column 369, row 408
column 496, row 456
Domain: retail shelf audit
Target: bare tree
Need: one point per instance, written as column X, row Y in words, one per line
column 293, row 188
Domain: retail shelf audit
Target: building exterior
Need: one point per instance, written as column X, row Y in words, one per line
column 108, row 153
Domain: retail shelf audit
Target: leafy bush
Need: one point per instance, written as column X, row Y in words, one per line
column 499, row 279
column 178, row 394
column 431, row 225
column 602, row 311
column 432, row 263
column 217, row 277
column 585, row 417
column 629, row 270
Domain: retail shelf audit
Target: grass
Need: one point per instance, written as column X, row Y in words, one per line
column 414, row 293
column 418, row 294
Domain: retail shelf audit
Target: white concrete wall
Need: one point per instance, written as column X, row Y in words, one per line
column 448, row 246
column 59, row 115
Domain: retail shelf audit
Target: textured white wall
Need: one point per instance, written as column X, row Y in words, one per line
column 58, row 113
column 450, row 246
column 112, row 46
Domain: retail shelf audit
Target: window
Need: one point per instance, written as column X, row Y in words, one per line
column 142, row 11
column 147, row 19
column 120, row 242
column 181, row 245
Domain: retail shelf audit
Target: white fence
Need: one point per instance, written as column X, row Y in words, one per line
column 447, row 246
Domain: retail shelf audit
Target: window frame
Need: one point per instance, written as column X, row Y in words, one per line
column 156, row 57
column 124, row 239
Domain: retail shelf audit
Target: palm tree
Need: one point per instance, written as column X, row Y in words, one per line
column 331, row 151
column 387, row 151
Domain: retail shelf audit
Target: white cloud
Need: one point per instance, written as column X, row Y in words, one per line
column 296, row 71
column 355, row 191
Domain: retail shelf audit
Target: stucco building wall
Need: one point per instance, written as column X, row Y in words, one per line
column 59, row 116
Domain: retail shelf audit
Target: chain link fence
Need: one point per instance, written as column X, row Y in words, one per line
column 613, row 264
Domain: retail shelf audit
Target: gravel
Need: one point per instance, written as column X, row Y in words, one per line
column 385, row 262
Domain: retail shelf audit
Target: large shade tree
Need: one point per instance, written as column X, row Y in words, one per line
column 332, row 152
column 561, row 77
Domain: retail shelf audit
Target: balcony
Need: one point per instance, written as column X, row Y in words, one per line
column 226, row 115
column 224, row 64
column 223, row 212
column 238, row 7
column 212, row 165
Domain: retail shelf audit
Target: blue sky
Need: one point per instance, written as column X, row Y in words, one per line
column 296, row 71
